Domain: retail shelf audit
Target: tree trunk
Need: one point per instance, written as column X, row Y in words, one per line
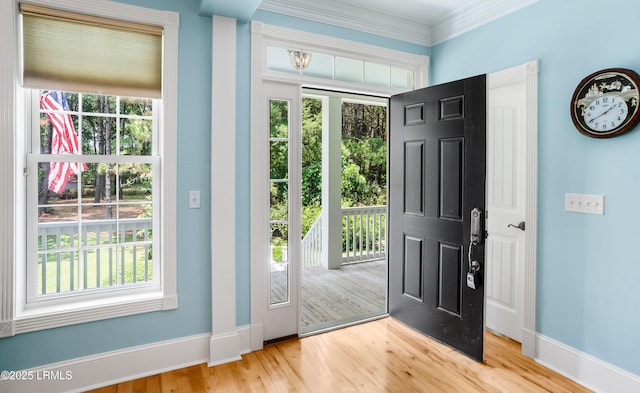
column 107, row 151
column 46, row 167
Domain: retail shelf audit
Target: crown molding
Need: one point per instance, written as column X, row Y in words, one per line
column 352, row 17
column 375, row 22
column 478, row 13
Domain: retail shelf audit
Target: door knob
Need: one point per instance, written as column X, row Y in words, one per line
column 520, row 225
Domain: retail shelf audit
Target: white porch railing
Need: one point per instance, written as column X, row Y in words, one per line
column 99, row 241
column 363, row 236
column 312, row 245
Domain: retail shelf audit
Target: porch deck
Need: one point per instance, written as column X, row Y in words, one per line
column 335, row 297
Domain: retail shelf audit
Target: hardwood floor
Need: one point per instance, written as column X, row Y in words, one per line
column 379, row 356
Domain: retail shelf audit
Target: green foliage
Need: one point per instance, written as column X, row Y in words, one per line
column 364, row 157
column 311, row 151
column 100, row 135
column 309, row 215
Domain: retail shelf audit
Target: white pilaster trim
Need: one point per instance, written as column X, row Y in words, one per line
column 531, row 215
column 8, row 78
column 259, row 179
column 224, row 345
column 583, row 368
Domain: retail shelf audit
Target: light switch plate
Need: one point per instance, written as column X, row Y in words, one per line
column 584, row 203
column 194, row 199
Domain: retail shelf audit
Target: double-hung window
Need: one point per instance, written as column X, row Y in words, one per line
column 93, row 136
column 92, row 195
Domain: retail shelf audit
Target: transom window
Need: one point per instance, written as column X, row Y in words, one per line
column 339, row 68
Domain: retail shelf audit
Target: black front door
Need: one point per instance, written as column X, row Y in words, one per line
column 437, row 178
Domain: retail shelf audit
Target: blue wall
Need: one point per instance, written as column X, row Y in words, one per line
column 587, row 293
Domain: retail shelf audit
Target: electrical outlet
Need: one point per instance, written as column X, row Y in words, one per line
column 584, row 203
column 194, row 199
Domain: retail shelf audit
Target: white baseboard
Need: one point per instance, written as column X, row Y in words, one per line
column 244, row 338
column 109, row 368
column 224, row 348
column 257, row 337
column 228, row 347
column 585, row 369
column 113, row 367
column 529, row 339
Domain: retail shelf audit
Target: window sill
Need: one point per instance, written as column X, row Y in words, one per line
column 49, row 317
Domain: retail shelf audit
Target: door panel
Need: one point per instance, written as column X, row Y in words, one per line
column 413, row 166
column 506, row 200
column 413, row 267
column 437, row 176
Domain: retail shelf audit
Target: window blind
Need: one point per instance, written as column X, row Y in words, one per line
column 75, row 52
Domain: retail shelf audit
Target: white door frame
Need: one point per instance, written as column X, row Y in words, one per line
column 529, row 332
column 525, row 75
column 263, row 36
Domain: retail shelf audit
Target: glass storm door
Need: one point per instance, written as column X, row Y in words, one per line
column 283, row 257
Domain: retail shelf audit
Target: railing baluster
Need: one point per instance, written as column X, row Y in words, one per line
column 146, row 255
column 135, row 253
column 347, row 243
column 43, row 269
column 98, row 254
column 363, row 231
column 367, row 219
column 75, row 256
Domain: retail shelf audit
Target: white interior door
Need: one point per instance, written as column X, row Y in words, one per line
column 506, row 202
column 282, row 180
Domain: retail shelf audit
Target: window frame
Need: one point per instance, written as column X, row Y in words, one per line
column 34, row 158
column 15, row 318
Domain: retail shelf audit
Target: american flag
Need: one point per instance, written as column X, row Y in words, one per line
column 64, row 140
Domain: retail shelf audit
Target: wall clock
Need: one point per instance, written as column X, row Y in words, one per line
column 605, row 103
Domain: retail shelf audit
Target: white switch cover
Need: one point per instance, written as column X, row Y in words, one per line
column 584, row 203
column 194, row 199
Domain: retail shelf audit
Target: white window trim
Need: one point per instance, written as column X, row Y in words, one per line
column 282, row 37
column 263, row 36
column 12, row 196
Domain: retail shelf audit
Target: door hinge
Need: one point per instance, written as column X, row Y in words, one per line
column 25, row 171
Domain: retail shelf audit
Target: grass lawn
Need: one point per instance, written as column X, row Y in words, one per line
column 69, row 268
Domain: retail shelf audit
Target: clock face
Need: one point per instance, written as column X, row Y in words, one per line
column 605, row 103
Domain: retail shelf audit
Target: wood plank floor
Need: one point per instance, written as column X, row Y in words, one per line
column 379, row 356
column 337, row 297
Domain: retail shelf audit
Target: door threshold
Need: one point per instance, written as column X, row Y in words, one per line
column 332, row 328
column 280, row 339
